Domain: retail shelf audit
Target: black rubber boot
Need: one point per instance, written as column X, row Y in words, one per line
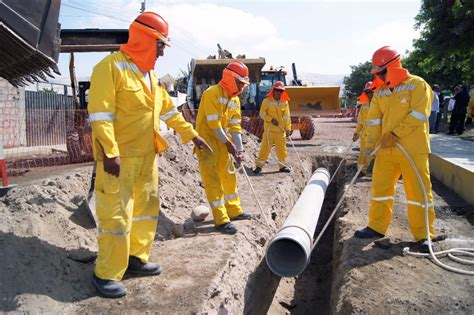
column 368, row 233
column 242, row 216
column 424, row 247
column 227, row 228
column 135, row 266
column 257, row 170
column 285, row 170
column 109, row 288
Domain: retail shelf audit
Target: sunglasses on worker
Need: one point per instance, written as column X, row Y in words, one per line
column 161, row 42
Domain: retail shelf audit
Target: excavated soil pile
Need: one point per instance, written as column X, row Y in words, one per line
column 49, row 245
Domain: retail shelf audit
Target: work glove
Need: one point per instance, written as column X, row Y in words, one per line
column 355, row 137
column 389, row 140
column 274, row 122
column 112, row 165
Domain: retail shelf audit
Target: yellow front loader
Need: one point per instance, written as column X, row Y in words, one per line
column 306, row 101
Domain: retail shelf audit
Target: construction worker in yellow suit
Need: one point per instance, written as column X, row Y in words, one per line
column 363, row 102
column 275, row 112
column 399, row 113
column 218, row 114
column 126, row 104
column 361, row 128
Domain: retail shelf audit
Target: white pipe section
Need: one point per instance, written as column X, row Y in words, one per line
column 289, row 251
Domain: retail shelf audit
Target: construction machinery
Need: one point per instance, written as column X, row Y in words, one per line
column 29, row 33
column 305, row 101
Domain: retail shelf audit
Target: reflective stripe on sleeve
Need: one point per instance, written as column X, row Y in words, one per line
column 234, row 121
column 418, row 115
column 169, row 114
column 374, row 122
column 212, row 117
column 101, row 116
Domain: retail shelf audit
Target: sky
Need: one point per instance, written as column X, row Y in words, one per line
column 320, row 36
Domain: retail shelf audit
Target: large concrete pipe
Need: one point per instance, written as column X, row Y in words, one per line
column 289, row 251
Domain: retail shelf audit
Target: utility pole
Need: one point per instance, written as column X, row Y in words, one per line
column 142, row 9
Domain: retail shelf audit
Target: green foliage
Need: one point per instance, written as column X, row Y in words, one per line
column 444, row 53
column 48, row 90
column 355, row 82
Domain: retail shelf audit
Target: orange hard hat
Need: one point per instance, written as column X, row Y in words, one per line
column 368, row 86
column 156, row 22
column 279, row 86
column 239, row 71
column 382, row 57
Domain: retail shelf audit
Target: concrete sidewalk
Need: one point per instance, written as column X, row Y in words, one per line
column 452, row 162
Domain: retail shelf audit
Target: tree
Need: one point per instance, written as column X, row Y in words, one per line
column 48, row 90
column 355, row 82
column 444, row 53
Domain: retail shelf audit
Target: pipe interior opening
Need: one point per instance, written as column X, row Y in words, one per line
column 286, row 258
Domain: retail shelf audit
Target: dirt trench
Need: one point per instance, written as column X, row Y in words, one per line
column 311, row 290
column 48, row 249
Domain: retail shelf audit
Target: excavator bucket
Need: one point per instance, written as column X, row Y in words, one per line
column 314, row 100
column 29, row 34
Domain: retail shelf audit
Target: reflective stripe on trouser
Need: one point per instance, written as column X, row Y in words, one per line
column 270, row 138
column 127, row 208
column 363, row 159
column 220, row 186
column 386, row 173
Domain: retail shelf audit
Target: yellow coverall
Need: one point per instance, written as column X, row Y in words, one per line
column 361, row 130
column 403, row 111
column 218, row 111
column 125, row 117
column 274, row 135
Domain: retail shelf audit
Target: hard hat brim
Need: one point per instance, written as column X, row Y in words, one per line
column 376, row 70
column 244, row 80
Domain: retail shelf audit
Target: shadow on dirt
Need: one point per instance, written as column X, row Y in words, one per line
column 63, row 275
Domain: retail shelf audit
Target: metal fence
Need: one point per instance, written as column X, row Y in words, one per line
column 47, row 117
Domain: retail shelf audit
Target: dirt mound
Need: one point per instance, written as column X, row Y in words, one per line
column 47, row 240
